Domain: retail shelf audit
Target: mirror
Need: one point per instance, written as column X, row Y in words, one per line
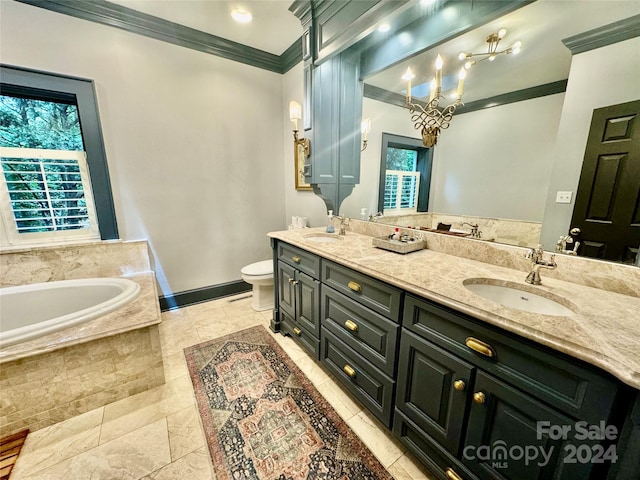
column 503, row 168
column 301, row 150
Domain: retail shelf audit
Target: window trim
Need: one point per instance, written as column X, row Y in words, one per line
column 423, row 165
column 18, row 80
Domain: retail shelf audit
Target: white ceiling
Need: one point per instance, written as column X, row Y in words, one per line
column 540, row 26
column 273, row 29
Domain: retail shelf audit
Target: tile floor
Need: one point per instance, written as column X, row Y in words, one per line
column 156, row 435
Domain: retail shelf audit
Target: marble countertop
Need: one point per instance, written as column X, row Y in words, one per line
column 604, row 330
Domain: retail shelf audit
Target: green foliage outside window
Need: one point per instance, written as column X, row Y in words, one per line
column 401, row 159
column 46, row 194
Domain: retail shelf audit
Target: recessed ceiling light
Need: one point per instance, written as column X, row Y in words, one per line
column 384, row 27
column 241, row 16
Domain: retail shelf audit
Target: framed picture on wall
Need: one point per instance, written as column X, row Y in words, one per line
column 302, row 151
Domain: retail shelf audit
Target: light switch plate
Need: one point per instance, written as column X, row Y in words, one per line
column 563, row 197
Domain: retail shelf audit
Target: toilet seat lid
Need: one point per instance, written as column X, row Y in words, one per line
column 264, row 267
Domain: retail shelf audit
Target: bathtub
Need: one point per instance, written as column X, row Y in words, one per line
column 31, row 311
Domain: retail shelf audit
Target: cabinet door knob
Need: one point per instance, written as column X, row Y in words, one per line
column 295, row 259
column 354, row 286
column 351, row 325
column 297, row 331
column 349, row 370
column 459, row 385
column 480, row 347
column 479, row 398
column 291, row 280
column 451, row 474
column 295, row 282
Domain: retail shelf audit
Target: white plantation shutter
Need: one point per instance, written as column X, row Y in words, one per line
column 401, row 192
column 45, row 195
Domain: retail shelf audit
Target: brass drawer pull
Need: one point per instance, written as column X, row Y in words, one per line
column 351, row 325
column 297, row 331
column 459, row 385
column 354, row 286
column 480, row 347
column 451, row 475
column 296, row 259
column 479, row 398
column 349, row 370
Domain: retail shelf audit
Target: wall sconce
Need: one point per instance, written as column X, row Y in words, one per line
column 493, row 40
column 431, row 119
column 365, row 128
column 295, row 114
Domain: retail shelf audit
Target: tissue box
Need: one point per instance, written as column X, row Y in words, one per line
column 397, row 246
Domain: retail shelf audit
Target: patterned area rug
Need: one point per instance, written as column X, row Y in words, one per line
column 263, row 418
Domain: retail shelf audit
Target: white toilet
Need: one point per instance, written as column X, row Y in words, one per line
column 260, row 275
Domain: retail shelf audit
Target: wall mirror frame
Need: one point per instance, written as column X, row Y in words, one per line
column 301, row 151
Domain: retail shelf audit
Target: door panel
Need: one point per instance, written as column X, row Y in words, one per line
column 506, row 423
column 308, row 302
column 286, row 289
column 426, row 392
column 607, row 208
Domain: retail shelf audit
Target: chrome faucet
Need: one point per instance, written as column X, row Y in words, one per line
column 537, row 262
column 344, row 223
column 475, row 233
column 373, row 217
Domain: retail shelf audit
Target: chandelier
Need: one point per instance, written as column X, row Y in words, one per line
column 432, row 118
column 492, row 50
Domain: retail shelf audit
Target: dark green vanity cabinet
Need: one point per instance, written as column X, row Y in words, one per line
column 359, row 335
column 298, row 291
column 452, row 388
column 465, row 389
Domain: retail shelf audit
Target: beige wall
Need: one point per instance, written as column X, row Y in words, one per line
column 494, row 162
column 194, row 153
column 598, row 78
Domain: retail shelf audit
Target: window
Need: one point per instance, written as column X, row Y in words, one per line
column 405, row 174
column 46, row 191
column 50, row 142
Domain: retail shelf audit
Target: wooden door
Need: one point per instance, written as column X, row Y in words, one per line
column 607, row 208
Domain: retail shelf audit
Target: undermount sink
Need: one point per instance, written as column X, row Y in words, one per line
column 322, row 238
column 517, row 296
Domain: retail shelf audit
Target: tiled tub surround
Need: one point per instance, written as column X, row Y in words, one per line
column 511, row 232
column 69, row 372
column 603, row 331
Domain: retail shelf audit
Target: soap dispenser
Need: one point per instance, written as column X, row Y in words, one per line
column 330, row 228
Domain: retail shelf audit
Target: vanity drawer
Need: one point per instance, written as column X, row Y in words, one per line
column 574, row 387
column 370, row 386
column 378, row 296
column 368, row 333
column 302, row 260
column 300, row 335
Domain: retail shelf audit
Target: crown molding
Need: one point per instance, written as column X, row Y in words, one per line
column 603, row 36
column 114, row 15
column 393, row 98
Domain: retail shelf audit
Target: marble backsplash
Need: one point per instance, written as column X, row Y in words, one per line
column 511, row 232
column 65, row 262
column 614, row 277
